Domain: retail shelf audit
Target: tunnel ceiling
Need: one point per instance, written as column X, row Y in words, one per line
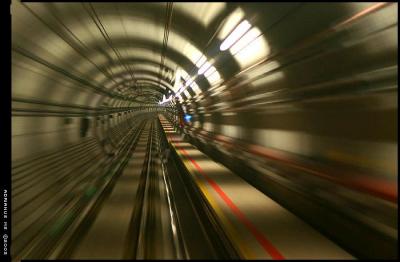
column 129, row 51
column 126, row 54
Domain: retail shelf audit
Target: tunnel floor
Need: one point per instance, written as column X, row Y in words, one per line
column 158, row 198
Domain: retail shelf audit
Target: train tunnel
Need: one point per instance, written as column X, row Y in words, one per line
column 221, row 130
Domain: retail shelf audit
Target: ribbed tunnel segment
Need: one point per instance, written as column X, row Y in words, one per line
column 204, row 130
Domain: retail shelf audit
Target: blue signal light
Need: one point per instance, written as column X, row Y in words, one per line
column 187, row 118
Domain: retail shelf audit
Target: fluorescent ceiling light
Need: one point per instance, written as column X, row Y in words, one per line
column 254, row 51
column 189, row 82
column 214, row 77
column 231, row 22
column 245, row 40
column 210, row 71
column 165, row 100
column 181, row 89
column 204, row 67
column 238, row 32
column 187, row 94
column 193, row 84
column 178, row 83
column 201, row 61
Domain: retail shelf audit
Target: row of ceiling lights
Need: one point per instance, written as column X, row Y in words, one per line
column 240, row 37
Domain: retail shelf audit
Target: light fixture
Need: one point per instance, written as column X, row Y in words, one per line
column 189, row 81
column 214, row 77
column 231, row 22
column 245, row 40
column 201, row 61
column 177, row 84
column 238, row 32
column 210, row 71
column 187, row 117
column 204, row 67
column 165, row 100
column 187, row 94
column 193, row 84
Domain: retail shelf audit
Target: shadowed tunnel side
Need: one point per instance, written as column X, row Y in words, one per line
column 204, row 130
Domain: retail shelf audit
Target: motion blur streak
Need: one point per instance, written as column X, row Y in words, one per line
column 204, row 130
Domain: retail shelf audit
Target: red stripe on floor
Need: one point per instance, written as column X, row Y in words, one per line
column 265, row 243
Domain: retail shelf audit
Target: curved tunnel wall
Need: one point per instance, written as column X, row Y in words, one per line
column 320, row 95
column 58, row 73
column 333, row 98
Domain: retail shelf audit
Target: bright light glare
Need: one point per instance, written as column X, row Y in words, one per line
column 205, row 66
column 189, row 82
column 210, row 71
column 214, row 77
column 187, row 117
column 239, row 31
column 178, row 83
column 180, row 90
column 185, row 75
column 194, row 85
column 165, row 100
column 201, row 61
column 254, row 51
column 187, row 94
column 231, row 22
column 189, row 50
column 245, row 40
